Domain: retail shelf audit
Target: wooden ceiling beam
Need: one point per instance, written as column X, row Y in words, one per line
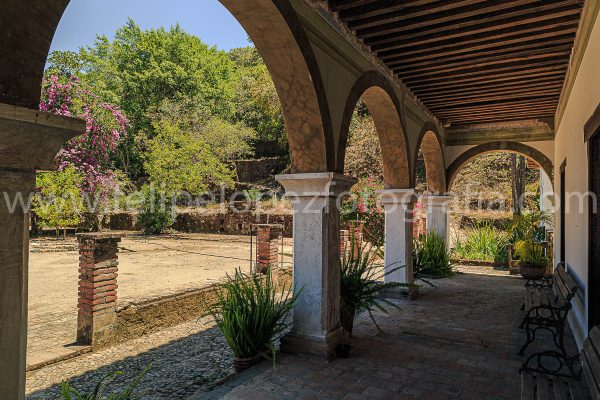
column 481, row 59
column 557, row 77
column 489, row 67
column 527, row 73
column 498, row 35
column 507, row 118
column 337, row 5
column 488, row 95
column 498, row 107
column 491, row 17
column 521, row 45
column 472, row 46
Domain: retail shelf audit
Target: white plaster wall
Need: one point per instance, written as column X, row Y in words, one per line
column 570, row 146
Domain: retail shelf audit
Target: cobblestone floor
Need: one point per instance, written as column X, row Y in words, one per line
column 456, row 341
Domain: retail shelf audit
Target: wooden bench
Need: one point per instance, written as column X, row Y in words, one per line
column 542, row 382
column 547, row 304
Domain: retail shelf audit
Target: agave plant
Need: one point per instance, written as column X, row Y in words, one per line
column 362, row 282
column 68, row 392
column 252, row 313
column 431, row 259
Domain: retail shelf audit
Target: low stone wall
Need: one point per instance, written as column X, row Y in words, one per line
column 208, row 221
column 135, row 319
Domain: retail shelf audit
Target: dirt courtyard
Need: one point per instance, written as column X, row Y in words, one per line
column 149, row 266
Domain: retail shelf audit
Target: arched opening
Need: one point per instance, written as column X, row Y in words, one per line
column 273, row 28
column 500, row 146
column 430, row 157
column 376, row 95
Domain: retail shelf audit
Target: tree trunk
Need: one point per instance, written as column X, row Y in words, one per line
column 518, row 164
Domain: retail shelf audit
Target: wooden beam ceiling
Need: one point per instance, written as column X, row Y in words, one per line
column 472, row 61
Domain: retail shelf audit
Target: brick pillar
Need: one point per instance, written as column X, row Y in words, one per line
column 356, row 235
column 344, row 237
column 98, row 269
column 269, row 240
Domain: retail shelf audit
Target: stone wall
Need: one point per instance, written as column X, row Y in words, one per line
column 209, row 221
column 263, row 169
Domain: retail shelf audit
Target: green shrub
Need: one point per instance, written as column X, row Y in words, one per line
column 361, row 283
column 252, row 313
column 431, row 259
column 68, row 392
column 483, row 243
column 156, row 211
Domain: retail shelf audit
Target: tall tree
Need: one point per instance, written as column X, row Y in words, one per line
column 518, row 165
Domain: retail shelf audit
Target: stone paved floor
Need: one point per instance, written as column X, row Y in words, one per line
column 457, row 341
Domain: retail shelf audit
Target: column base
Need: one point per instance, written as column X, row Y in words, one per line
column 320, row 346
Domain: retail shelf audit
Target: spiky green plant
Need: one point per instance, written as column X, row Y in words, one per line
column 68, row 392
column 251, row 312
column 362, row 282
column 526, row 230
column 431, row 259
column 483, row 243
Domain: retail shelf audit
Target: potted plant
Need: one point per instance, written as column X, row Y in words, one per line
column 251, row 312
column 527, row 230
column 361, row 285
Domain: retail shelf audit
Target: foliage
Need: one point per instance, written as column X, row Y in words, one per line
column 91, row 153
column 177, row 161
column 361, row 283
column 68, row 392
column 58, row 200
column 527, row 231
column 363, row 154
column 431, row 259
column 155, row 212
column 362, row 205
column 483, row 243
column 251, row 313
column 253, row 195
column 146, row 70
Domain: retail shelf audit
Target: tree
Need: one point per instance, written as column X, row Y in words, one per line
column 139, row 70
column 58, row 200
column 518, row 164
column 90, row 154
column 177, row 161
column 363, row 154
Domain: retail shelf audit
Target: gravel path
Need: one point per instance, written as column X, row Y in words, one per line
column 185, row 359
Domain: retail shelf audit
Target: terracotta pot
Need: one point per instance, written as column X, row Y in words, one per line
column 242, row 364
column 532, row 270
column 347, row 318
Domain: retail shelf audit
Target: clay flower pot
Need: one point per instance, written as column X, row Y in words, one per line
column 241, row 364
column 532, row 270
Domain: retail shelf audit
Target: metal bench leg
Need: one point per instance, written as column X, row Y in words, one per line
column 559, row 341
column 530, row 338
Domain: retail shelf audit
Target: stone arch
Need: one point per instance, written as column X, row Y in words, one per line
column 28, row 28
column 431, row 144
column 380, row 98
column 502, row 146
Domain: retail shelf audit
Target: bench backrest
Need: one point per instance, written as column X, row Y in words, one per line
column 564, row 284
column 590, row 361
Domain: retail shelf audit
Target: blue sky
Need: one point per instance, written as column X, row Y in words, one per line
column 207, row 19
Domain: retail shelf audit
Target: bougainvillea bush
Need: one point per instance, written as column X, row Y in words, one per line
column 362, row 204
column 92, row 154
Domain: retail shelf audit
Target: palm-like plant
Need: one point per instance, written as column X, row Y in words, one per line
column 252, row 313
column 361, row 284
column 68, row 392
column 526, row 230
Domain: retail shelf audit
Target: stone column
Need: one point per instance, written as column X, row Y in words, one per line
column 437, row 214
column 398, row 209
column 314, row 197
column 98, row 271
column 269, row 239
column 29, row 141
